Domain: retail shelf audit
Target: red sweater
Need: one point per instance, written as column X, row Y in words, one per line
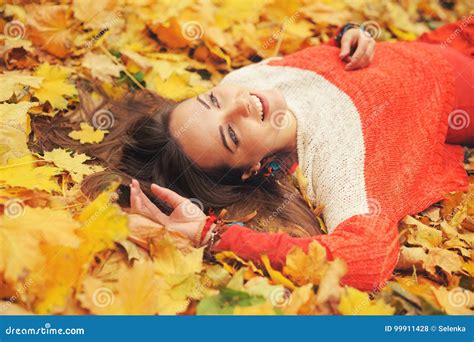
column 406, row 165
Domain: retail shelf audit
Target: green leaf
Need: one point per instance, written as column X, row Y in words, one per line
column 225, row 302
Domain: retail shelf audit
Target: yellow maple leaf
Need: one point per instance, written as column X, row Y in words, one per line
column 103, row 223
column 55, row 86
column 355, row 302
column 53, row 285
column 14, row 130
column 135, row 292
column 22, row 172
column 178, row 275
column 73, row 163
column 14, row 82
column 88, row 135
column 304, row 268
column 22, row 234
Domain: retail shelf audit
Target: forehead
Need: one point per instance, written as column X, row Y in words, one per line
column 195, row 129
column 185, row 115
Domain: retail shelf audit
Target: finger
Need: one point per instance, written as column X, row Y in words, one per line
column 168, row 196
column 346, row 42
column 371, row 50
column 146, row 205
column 362, row 45
column 363, row 62
column 133, row 197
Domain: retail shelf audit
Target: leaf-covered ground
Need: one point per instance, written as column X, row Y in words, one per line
column 63, row 253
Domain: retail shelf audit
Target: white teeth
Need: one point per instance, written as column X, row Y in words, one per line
column 258, row 104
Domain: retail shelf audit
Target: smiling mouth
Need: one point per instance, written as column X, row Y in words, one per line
column 260, row 105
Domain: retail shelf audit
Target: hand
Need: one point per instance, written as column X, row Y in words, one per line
column 364, row 46
column 186, row 217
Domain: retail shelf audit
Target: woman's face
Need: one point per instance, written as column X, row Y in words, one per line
column 233, row 126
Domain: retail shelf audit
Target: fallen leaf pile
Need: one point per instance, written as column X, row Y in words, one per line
column 64, row 253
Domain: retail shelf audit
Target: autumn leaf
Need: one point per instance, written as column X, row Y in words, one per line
column 22, row 234
column 55, row 87
column 88, row 135
column 22, row 172
column 456, row 301
column 135, row 292
column 14, row 129
column 15, row 83
column 101, row 67
column 178, row 275
column 355, row 302
column 98, row 14
column 72, row 163
column 50, row 27
column 102, row 223
column 304, row 268
column 64, row 251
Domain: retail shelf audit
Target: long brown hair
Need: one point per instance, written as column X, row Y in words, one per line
column 140, row 145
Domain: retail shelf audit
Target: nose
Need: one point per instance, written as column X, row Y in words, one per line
column 240, row 107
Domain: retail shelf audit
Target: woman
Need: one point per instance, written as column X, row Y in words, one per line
column 371, row 142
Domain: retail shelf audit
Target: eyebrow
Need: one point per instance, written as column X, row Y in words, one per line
column 224, row 141
column 203, row 102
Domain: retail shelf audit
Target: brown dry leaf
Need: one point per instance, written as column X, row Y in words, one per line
column 448, row 261
column 423, row 235
column 101, row 67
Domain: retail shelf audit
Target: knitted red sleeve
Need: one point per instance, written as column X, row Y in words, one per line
column 368, row 244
